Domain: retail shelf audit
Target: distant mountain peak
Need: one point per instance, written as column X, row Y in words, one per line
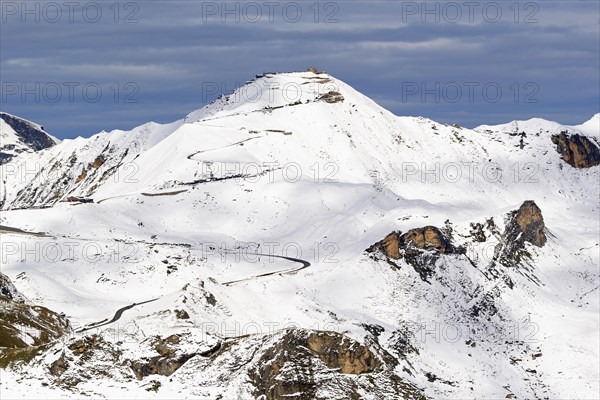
column 18, row 135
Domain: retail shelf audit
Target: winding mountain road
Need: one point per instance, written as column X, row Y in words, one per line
column 116, row 317
column 305, row 264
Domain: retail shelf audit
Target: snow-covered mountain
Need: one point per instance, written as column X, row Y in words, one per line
column 295, row 240
column 18, row 135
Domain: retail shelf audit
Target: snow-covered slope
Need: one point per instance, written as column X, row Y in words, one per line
column 18, row 135
column 238, row 237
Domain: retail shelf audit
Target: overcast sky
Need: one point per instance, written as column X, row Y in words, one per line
column 151, row 60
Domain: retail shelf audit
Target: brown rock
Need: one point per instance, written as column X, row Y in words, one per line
column 81, row 176
column 287, row 369
column 99, row 161
column 390, row 246
column 24, row 326
column 166, row 363
column 577, row 150
column 59, row 366
column 342, row 353
column 530, row 223
column 523, row 225
column 426, row 238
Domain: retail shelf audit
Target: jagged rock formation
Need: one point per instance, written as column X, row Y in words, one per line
column 577, row 150
column 8, row 290
column 25, row 328
column 295, row 366
column 526, row 225
column 19, row 135
column 419, row 247
column 390, row 246
column 426, row 238
column 23, row 325
column 168, row 360
column 85, row 358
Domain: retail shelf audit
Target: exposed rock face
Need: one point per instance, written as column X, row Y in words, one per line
column 29, row 137
column 427, row 238
column 419, row 247
column 576, row 150
column 288, row 368
column 87, row 346
column 166, row 363
column 8, row 290
column 23, row 325
column 98, row 161
column 342, row 353
column 59, row 366
column 332, row 97
column 390, row 246
column 301, row 364
column 523, row 225
column 527, row 225
column 81, row 176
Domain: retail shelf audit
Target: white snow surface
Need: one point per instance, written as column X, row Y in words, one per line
column 320, row 182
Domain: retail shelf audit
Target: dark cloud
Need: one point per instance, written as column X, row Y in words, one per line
column 382, row 48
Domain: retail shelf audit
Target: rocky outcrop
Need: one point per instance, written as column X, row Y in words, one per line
column 577, row 150
column 98, row 161
column 396, row 244
column 25, row 329
column 8, row 290
column 23, row 325
column 168, row 360
column 332, row 97
column 526, row 225
column 81, row 176
column 342, row 353
column 301, row 364
column 390, row 246
column 60, row 365
column 427, row 238
column 419, row 247
column 288, row 368
column 29, row 137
